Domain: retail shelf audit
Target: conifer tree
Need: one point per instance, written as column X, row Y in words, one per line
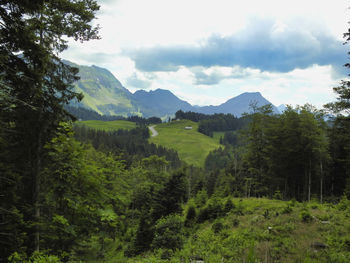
column 32, row 34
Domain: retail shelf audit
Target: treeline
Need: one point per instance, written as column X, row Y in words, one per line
column 84, row 114
column 132, row 145
column 208, row 124
column 295, row 153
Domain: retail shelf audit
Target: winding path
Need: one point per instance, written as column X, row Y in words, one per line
column 153, row 131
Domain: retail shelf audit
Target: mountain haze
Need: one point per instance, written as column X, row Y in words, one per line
column 104, row 94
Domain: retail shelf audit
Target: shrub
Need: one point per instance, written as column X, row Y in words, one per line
column 277, row 195
column 168, row 233
column 217, row 227
column 229, row 205
column 213, row 210
column 305, row 216
column 201, row 198
column 37, row 257
column 266, row 214
column 190, row 215
column 286, row 210
column 235, row 222
column 343, row 204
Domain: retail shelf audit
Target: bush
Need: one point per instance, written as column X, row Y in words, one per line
column 235, row 222
column 201, row 198
column 286, row 210
column 229, row 205
column 213, row 210
column 343, row 204
column 37, row 257
column 277, row 195
column 305, row 216
column 190, row 215
column 168, row 233
column 217, row 227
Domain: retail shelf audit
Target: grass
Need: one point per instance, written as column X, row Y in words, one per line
column 192, row 146
column 108, row 125
column 260, row 230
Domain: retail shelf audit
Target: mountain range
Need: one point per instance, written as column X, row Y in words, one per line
column 104, row 94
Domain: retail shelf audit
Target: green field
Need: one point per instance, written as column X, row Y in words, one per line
column 108, row 125
column 192, row 146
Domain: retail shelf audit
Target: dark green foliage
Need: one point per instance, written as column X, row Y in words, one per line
column 218, row 159
column 87, row 114
column 287, row 210
column 169, row 199
column 305, row 216
column 144, row 236
column 221, row 122
column 217, row 227
column 212, row 210
column 131, row 144
column 230, row 138
column 235, row 222
column 229, row 206
column 211, row 123
column 168, row 233
column 38, row 85
column 190, row 215
column 344, row 203
column 277, row 195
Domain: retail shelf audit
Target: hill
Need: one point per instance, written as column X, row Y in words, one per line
column 103, row 93
column 192, row 146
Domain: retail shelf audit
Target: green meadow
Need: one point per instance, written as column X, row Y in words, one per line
column 192, row 146
column 108, row 125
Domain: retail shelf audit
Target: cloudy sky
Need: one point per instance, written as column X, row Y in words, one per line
column 207, row 51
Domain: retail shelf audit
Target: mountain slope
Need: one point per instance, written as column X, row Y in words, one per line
column 103, row 92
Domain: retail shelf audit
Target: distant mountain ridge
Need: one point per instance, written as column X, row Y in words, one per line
column 238, row 105
column 104, row 94
column 159, row 102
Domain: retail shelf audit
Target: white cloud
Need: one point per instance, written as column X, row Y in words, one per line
column 130, row 24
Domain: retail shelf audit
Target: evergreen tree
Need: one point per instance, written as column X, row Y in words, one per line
column 32, row 34
column 340, row 136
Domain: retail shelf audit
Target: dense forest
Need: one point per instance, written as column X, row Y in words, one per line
column 73, row 194
column 84, row 114
column 131, row 145
column 212, row 123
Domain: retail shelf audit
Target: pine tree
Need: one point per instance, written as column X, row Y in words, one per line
column 32, row 34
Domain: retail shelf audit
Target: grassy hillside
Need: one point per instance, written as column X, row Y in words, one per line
column 103, row 93
column 192, row 146
column 108, row 125
column 255, row 230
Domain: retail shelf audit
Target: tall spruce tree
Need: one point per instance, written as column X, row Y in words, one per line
column 39, row 84
column 340, row 136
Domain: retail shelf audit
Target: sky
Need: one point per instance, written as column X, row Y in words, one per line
column 208, row 51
